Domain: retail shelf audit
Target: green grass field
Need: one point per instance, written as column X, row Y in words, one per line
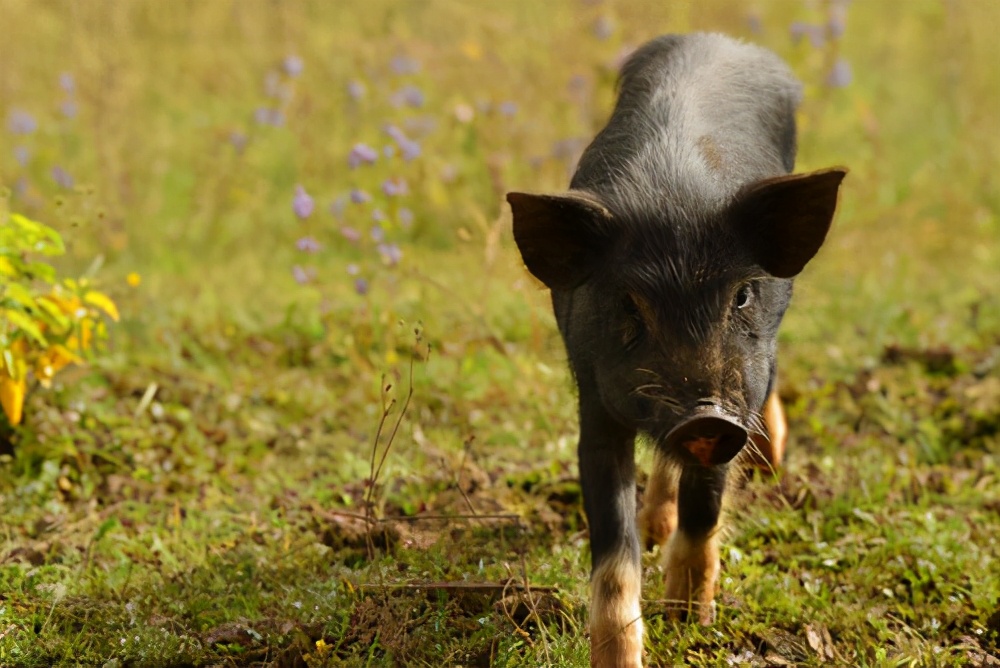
column 201, row 494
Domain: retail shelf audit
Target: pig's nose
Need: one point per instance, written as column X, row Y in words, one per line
column 709, row 434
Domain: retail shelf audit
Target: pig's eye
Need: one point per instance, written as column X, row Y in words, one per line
column 633, row 322
column 744, row 296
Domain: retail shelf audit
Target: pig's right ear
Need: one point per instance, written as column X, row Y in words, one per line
column 562, row 238
column 784, row 220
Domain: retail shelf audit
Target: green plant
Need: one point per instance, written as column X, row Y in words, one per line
column 46, row 323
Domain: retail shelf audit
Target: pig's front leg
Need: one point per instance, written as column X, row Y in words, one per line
column 658, row 517
column 607, row 476
column 691, row 560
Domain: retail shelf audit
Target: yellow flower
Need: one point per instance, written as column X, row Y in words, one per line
column 51, row 361
column 83, row 341
column 472, row 50
column 12, row 397
column 69, row 305
column 133, row 279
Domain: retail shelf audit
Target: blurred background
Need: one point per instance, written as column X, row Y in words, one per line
column 279, row 194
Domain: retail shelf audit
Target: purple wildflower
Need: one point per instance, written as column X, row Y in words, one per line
column 508, row 108
column 404, row 65
column 391, row 254
column 293, row 65
column 302, row 203
column 361, row 154
column 798, row 30
column 755, row 24
column 350, row 234
column 66, row 82
column 361, row 286
column 356, row 89
column 238, row 140
column 359, row 196
column 420, row 125
column 22, row 154
column 377, row 234
column 405, row 218
column 353, row 269
column 62, row 177
column 308, row 245
column 410, row 149
column 378, row 215
column 303, row 275
column 604, row 27
column 388, row 150
column 337, row 206
column 21, row 122
column 816, row 36
column 267, row 116
column 837, row 24
column 394, row 187
column 841, row 75
column 394, row 132
column 409, row 95
column 68, row 109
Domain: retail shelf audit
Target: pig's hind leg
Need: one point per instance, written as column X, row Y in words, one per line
column 607, row 476
column 691, row 558
column 658, row 517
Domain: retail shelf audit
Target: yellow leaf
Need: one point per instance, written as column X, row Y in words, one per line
column 103, row 302
column 24, row 323
column 12, row 397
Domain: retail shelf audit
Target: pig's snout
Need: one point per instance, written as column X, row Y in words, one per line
column 709, row 434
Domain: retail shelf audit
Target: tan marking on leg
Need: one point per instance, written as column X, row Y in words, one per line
column 772, row 447
column 615, row 615
column 692, row 572
column 658, row 517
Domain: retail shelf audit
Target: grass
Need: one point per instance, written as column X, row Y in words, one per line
column 199, row 495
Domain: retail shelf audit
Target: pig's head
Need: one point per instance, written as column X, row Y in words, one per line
column 671, row 314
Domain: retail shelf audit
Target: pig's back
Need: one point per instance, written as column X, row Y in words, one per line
column 698, row 116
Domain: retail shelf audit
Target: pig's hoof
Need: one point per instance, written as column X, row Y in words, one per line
column 692, row 575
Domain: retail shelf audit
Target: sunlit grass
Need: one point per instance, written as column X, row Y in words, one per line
column 199, row 525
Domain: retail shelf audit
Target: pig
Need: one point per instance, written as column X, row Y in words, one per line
column 670, row 262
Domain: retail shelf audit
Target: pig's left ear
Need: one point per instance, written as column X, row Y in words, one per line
column 562, row 238
column 785, row 219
